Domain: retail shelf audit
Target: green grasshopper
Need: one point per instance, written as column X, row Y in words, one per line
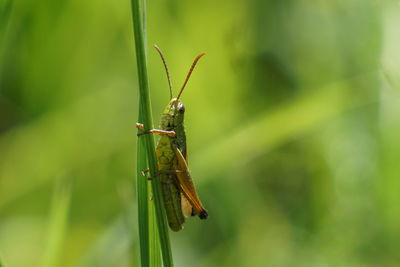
column 179, row 194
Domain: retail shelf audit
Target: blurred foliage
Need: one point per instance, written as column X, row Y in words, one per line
column 292, row 121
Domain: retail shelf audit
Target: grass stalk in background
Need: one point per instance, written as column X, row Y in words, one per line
column 146, row 154
column 5, row 11
column 57, row 222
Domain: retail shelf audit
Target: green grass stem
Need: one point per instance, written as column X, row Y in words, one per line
column 149, row 246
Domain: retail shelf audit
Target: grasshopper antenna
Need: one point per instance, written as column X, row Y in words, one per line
column 189, row 73
column 166, row 69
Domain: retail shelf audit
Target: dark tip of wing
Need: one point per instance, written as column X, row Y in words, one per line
column 203, row 215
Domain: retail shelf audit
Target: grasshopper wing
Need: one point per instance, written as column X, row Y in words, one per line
column 187, row 187
column 187, row 208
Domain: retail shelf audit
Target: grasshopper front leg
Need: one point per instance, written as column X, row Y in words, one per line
column 143, row 172
column 140, row 126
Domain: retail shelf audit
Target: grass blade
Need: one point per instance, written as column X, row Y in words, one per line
column 147, row 145
column 142, row 200
column 57, row 222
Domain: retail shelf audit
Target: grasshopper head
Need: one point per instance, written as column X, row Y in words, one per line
column 173, row 114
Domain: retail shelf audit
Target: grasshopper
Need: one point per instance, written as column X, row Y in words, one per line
column 179, row 194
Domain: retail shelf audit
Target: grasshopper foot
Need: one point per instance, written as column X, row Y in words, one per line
column 140, row 126
column 143, row 172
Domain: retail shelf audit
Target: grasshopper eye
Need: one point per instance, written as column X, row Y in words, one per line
column 181, row 108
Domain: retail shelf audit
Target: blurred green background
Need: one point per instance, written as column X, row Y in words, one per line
column 293, row 123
